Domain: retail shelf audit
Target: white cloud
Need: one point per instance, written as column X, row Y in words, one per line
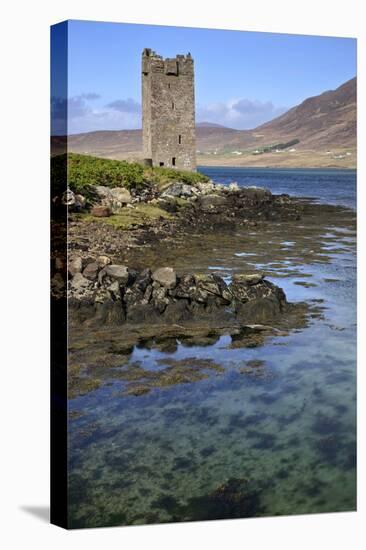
column 125, row 105
column 120, row 114
column 239, row 113
column 90, row 96
column 85, row 116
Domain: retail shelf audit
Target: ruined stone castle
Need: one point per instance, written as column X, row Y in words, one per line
column 168, row 117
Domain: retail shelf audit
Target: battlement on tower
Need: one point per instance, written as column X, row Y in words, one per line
column 152, row 62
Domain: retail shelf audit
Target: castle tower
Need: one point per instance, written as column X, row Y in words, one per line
column 168, row 119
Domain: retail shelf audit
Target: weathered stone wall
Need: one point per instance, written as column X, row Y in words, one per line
column 168, row 114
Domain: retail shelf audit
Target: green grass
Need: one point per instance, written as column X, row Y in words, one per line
column 84, row 172
column 141, row 214
column 162, row 177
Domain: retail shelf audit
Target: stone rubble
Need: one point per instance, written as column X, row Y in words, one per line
column 118, row 293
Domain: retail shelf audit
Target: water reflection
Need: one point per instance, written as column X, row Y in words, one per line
column 270, row 431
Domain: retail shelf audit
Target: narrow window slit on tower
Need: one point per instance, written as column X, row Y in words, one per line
column 172, row 104
column 173, row 161
column 179, row 139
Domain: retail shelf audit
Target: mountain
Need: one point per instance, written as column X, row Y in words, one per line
column 326, row 120
column 319, row 124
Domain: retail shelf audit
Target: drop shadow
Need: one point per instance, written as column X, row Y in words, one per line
column 40, row 512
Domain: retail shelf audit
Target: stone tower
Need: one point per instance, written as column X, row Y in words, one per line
column 168, row 119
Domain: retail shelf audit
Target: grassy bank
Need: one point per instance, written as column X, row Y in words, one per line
column 83, row 172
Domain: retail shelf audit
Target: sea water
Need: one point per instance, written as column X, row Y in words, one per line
column 287, row 427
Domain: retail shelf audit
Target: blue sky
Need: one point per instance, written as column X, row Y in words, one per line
column 242, row 79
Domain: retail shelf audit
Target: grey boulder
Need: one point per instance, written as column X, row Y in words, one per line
column 91, row 271
column 119, row 273
column 166, row 277
column 178, row 190
column 75, row 265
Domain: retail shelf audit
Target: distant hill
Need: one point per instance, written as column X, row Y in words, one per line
column 320, row 123
column 210, row 125
column 326, row 120
column 121, row 143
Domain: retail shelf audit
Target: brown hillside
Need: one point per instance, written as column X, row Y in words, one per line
column 320, row 123
column 327, row 120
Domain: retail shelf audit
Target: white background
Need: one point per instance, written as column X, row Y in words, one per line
column 24, row 379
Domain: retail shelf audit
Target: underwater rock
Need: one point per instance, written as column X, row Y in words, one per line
column 236, row 498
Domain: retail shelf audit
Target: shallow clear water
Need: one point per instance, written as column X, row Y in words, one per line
column 285, row 423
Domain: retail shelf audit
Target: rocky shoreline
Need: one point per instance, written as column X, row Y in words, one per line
column 146, row 216
column 115, row 294
column 113, row 308
column 134, row 285
column 101, row 290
